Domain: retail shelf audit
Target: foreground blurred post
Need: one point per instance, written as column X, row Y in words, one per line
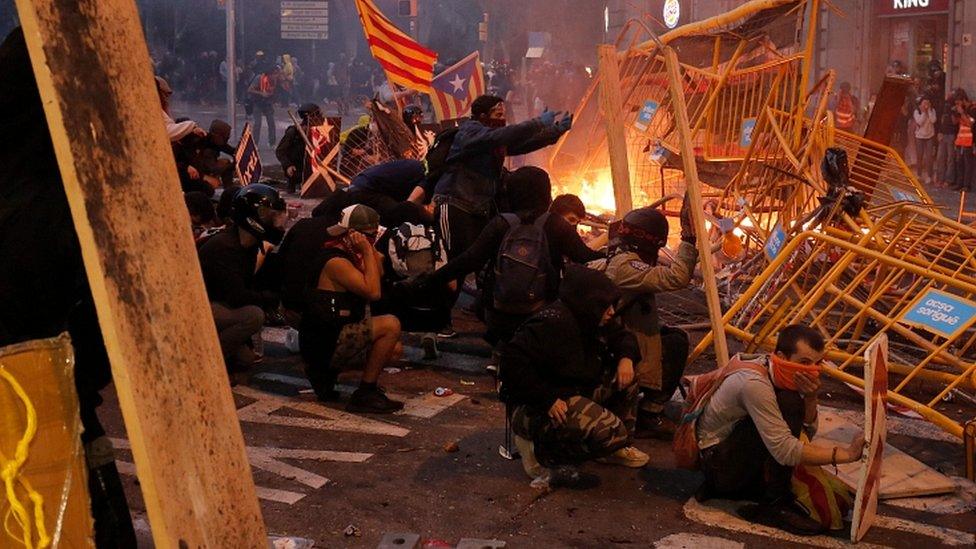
column 95, row 78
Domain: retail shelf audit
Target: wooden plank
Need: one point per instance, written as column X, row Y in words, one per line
column 902, row 476
column 693, row 186
column 96, row 82
column 611, row 104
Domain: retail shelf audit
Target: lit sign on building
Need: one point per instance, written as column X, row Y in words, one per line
column 672, row 12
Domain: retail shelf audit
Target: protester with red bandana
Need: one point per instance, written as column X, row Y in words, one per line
column 749, row 430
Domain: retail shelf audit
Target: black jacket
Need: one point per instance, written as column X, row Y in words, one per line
column 562, row 351
column 478, row 154
column 564, row 244
column 291, row 152
column 228, row 271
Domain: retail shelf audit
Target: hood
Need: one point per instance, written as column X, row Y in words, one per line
column 587, row 293
column 529, row 192
column 220, row 131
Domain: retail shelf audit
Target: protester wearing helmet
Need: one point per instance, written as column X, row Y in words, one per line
column 292, row 152
column 229, row 260
column 632, row 266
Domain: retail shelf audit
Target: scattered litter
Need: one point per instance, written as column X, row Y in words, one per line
column 403, row 450
column 466, row 382
column 451, row 447
column 352, row 531
column 306, row 391
column 392, row 370
column 291, row 543
column 443, row 392
column 437, row 544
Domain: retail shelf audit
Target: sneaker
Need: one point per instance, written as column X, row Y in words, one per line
column 530, row 465
column 372, row 401
column 783, row 515
column 627, row 457
column 429, row 344
column 655, row 426
column 447, row 333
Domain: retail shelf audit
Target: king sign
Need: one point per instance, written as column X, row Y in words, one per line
column 904, row 4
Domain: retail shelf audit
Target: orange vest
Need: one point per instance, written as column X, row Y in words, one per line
column 965, row 136
column 844, row 113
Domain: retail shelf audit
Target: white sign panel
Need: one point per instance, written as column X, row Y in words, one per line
column 307, row 20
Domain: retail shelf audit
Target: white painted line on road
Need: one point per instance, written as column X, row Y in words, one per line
column 270, row 494
column 429, row 405
column 268, row 459
column 721, row 514
column 947, row 536
column 696, row 541
column 266, row 404
column 279, row 496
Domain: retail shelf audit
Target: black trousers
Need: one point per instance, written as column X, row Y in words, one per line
column 740, row 467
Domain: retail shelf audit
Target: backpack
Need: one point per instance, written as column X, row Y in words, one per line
column 437, row 154
column 698, row 392
column 522, row 267
column 416, row 249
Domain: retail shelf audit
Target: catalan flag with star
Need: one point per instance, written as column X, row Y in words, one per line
column 457, row 87
column 406, row 62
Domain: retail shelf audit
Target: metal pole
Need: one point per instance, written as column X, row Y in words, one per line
column 231, row 65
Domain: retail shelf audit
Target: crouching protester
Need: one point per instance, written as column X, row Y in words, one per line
column 743, row 425
column 632, row 265
column 229, row 260
column 568, row 373
column 337, row 331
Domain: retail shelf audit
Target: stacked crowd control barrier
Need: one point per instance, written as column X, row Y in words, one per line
column 866, row 257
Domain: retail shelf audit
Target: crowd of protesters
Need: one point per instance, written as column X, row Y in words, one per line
column 584, row 363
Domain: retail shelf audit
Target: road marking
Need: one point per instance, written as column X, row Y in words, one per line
column 721, row 514
column 696, row 541
column 424, row 406
column 267, row 459
column 332, row 420
column 270, row 494
column 279, row 496
column 429, row 405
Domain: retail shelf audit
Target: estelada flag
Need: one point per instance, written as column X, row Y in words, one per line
column 406, row 62
column 457, row 87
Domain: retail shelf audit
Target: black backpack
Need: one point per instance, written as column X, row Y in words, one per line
column 437, row 154
column 522, row 267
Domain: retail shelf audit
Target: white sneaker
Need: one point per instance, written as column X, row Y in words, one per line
column 627, row 457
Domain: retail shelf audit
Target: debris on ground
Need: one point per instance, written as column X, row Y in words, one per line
column 452, row 447
column 443, row 392
column 352, row 531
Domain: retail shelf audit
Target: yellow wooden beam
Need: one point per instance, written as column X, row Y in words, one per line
column 611, row 104
column 96, row 82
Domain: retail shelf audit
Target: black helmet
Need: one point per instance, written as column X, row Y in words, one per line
column 409, row 112
column 255, row 209
column 645, row 231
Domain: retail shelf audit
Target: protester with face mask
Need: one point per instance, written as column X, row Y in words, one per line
column 465, row 195
column 632, row 266
column 748, row 431
column 292, row 152
column 337, row 330
column 229, row 260
column 568, row 375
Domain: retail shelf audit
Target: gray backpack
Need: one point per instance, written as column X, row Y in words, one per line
column 522, row 267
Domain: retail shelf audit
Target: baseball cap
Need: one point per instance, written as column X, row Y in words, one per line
column 356, row 218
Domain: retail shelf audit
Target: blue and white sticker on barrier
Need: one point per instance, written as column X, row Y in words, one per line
column 941, row 313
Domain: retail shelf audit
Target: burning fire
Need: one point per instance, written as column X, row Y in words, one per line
column 597, row 195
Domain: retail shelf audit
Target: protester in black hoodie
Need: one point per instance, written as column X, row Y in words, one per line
column 568, row 373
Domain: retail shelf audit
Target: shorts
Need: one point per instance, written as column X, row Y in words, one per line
column 353, row 345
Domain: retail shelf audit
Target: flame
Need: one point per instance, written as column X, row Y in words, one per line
column 597, row 194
